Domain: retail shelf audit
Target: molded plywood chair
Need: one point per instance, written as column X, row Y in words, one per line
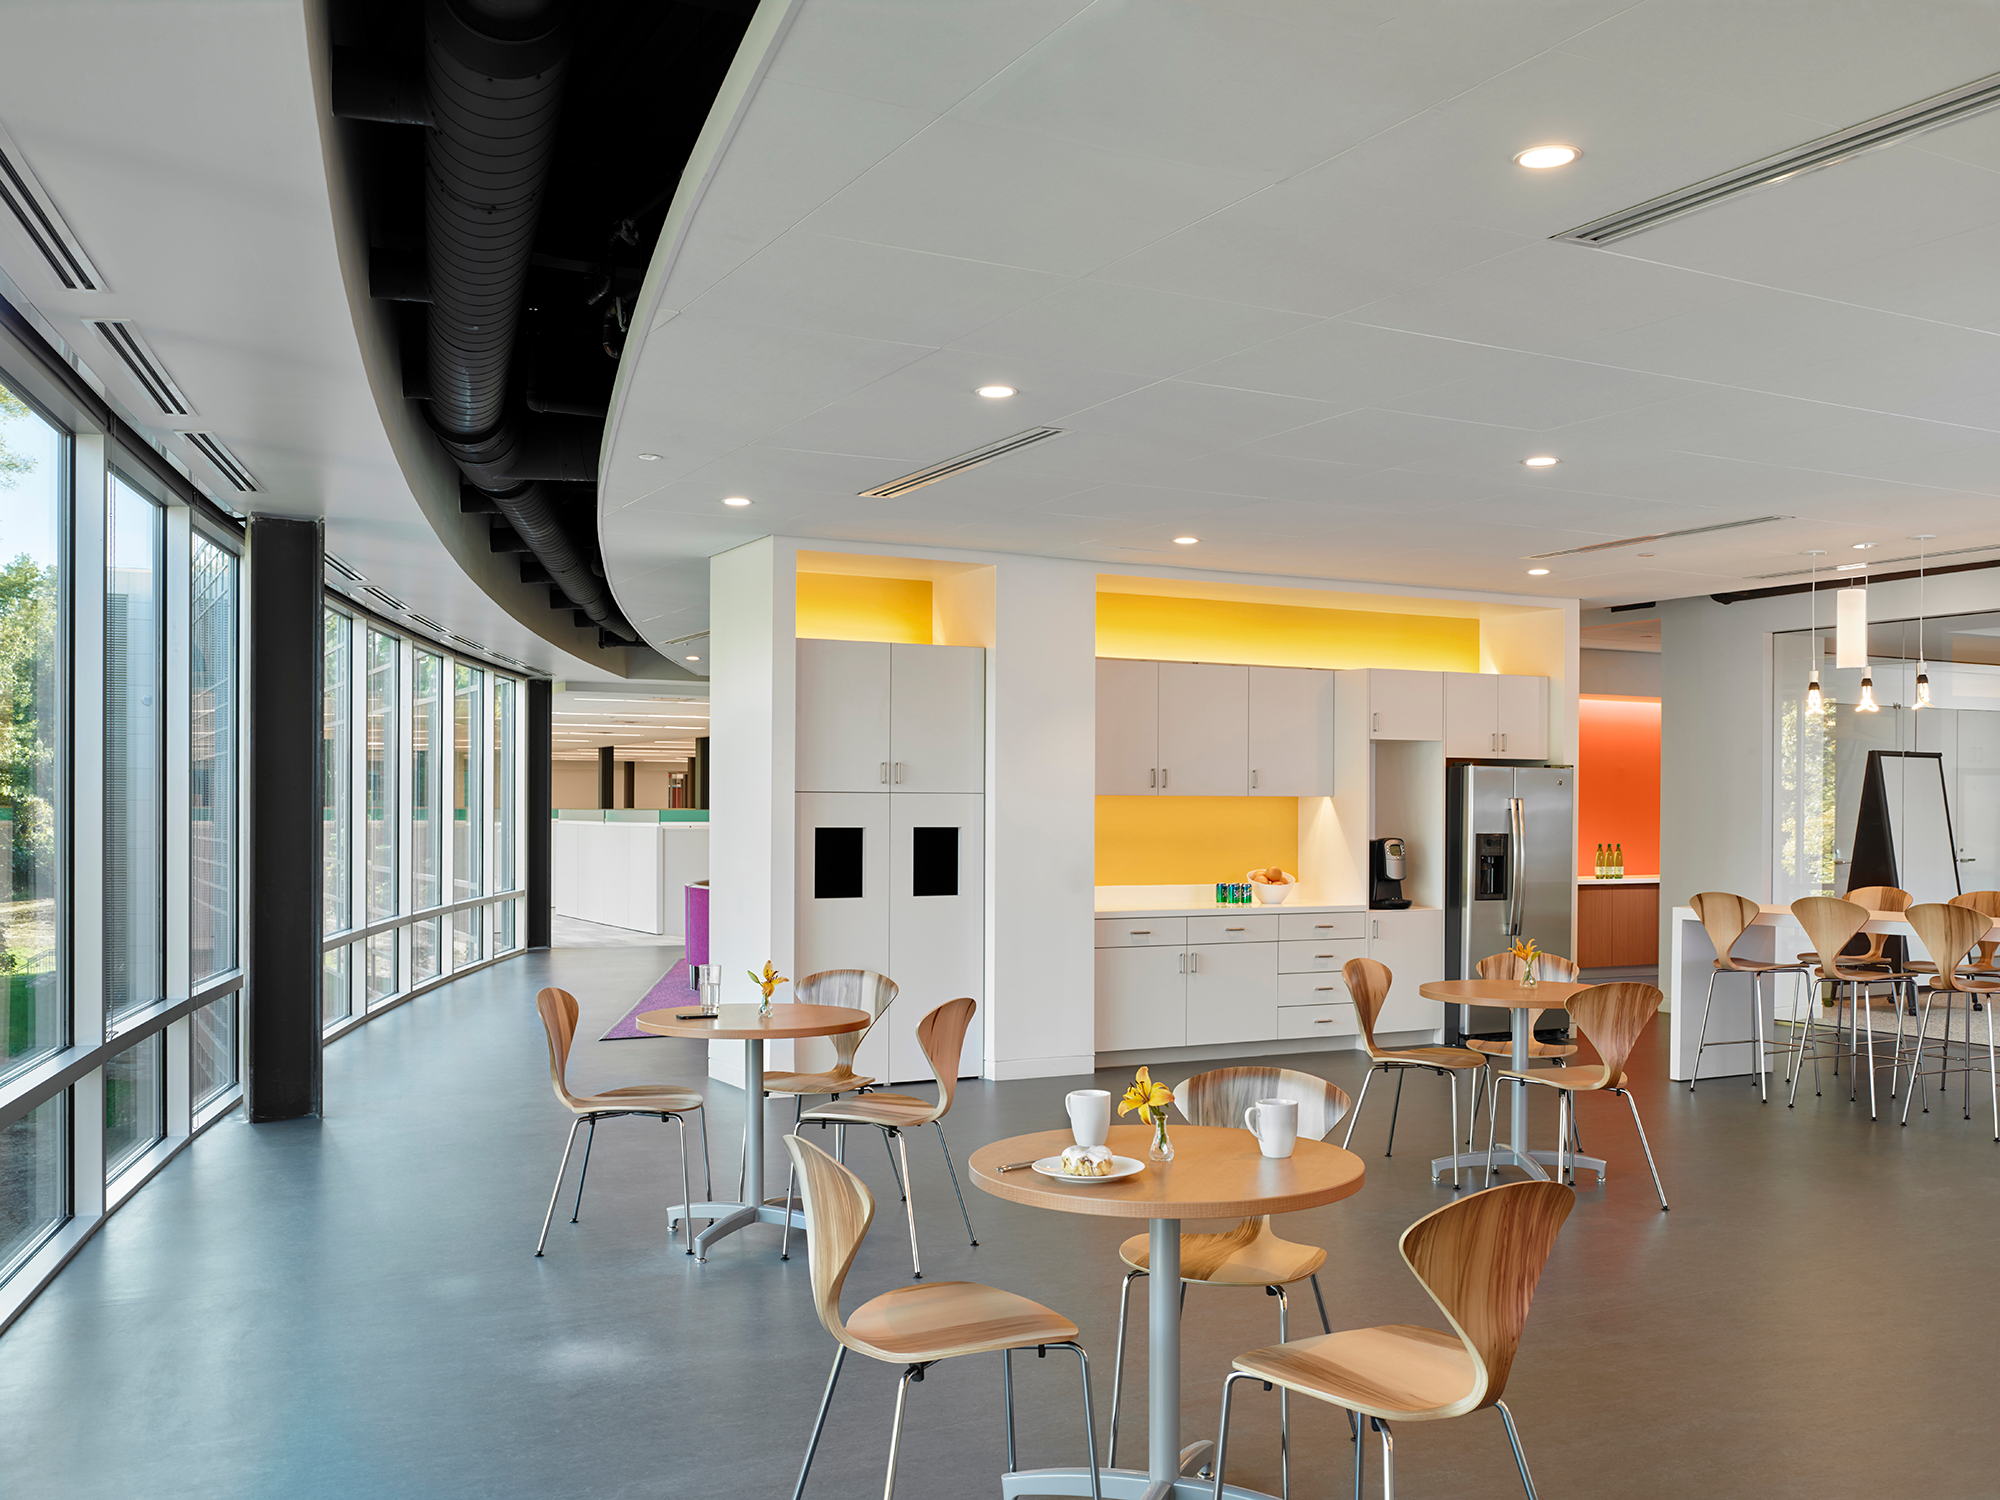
column 1948, row 932
column 1507, row 966
column 942, row 1036
column 1987, row 904
column 668, row 1101
column 1480, row 1259
column 856, row 989
column 1612, row 1017
column 1726, row 918
column 913, row 1326
column 1249, row 1254
column 1368, row 982
column 1830, row 925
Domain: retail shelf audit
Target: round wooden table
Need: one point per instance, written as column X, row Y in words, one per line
column 742, row 1023
column 1550, row 994
column 1216, row 1173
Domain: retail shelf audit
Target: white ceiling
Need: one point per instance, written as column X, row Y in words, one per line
column 642, row 727
column 1272, row 267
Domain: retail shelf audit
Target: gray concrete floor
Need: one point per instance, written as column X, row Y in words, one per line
column 350, row 1307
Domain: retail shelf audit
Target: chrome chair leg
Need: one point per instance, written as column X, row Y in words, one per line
column 909, row 1203
column 819, row 1424
column 899, row 1174
column 556, row 1191
column 1354, row 1118
column 1757, row 1030
column 589, row 1137
column 1285, row 1398
column 939, row 1124
column 1451, row 1082
column 1089, row 1418
column 1222, row 1431
column 1702, row 1040
column 1493, row 1125
column 1388, row 1459
column 1323, row 1323
column 687, row 1189
column 1514, row 1442
column 1916, row 1066
column 1646, row 1145
column 1007, row 1390
column 791, row 1178
column 1390, row 1149
column 707, row 1173
column 915, row 1372
column 1118, row 1365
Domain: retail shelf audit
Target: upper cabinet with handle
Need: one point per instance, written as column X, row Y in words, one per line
column 1206, row 729
column 876, row 717
column 1488, row 716
column 1128, row 727
column 1291, row 732
column 1404, row 705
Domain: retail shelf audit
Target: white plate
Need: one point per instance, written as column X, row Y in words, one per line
column 1121, row 1167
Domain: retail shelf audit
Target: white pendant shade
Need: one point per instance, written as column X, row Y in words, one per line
column 1850, row 638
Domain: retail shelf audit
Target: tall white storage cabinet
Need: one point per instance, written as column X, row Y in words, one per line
column 891, row 834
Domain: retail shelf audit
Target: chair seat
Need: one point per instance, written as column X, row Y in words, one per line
column 644, row 1097
column 1506, row 1048
column 877, row 1109
column 1580, row 1080
column 839, row 1081
column 1758, row 966
column 1399, row 1370
column 1248, row 1255
column 1430, row 1057
column 940, row 1319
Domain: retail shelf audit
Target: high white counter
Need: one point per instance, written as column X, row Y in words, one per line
column 628, row 875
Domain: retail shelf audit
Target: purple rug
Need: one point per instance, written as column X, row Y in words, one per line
column 675, row 987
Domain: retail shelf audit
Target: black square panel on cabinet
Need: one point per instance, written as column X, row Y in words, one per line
column 933, row 861
column 837, row 863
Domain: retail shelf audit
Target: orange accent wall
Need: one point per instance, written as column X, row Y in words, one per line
column 1618, row 782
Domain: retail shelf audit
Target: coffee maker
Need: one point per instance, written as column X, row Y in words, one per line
column 1386, row 873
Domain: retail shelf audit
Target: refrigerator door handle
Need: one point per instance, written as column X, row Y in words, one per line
column 1517, row 858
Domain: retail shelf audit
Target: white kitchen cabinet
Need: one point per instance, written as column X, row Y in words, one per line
column 1233, row 927
column 843, row 716
column 1302, row 1023
column 1522, row 717
column 1402, row 705
column 1204, row 717
column 841, row 911
column 1128, row 728
column 1471, row 715
column 1232, row 993
column 1142, row 932
column 937, row 718
column 1319, row 955
column 1312, row 989
column 1141, row 998
column 1322, row 924
column 1290, row 732
column 1411, row 943
column 937, row 945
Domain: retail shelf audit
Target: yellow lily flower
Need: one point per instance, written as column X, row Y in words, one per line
column 769, row 980
column 1146, row 1096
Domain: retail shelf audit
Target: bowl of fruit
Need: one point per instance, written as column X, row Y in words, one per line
column 1273, row 886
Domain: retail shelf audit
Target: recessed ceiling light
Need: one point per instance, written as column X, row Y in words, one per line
column 1186, row 541
column 1864, row 546
column 734, row 500
column 996, row 392
column 1850, row 567
column 1541, row 461
column 1540, row 158
column 1536, row 572
column 649, row 457
column 694, row 658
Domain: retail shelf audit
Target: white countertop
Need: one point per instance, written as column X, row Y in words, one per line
column 1584, row 880
column 1212, row 910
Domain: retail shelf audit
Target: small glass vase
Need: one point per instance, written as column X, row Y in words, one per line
column 764, row 1009
column 1162, row 1149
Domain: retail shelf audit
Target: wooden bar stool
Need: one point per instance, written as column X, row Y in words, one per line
column 1830, row 925
column 1949, row 932
column 1987, row 904
column 1727, row 917
column 1249, row 1254
column 1480, row 1260
column 913, row 1326
column 1368, row 982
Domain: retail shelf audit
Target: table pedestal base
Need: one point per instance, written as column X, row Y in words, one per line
column 1119, row 1484
column 730, row 1217
column 1506, row 1156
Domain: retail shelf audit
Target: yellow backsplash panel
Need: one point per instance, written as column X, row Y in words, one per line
column 1193, row 840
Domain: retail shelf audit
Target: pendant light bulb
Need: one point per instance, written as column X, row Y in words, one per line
column 1867, row 705
column 1813, row 700
column 1923, row 669
column 1923, row 687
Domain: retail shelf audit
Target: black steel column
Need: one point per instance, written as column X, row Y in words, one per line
column 287, row 561
column 541, row 808
column 631, row 783
column 699, row 766
column 607, row 771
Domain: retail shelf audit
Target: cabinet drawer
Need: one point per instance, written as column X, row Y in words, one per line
column 1142, row 932
column 1319, row 955
column 1297, row 1022
column 1322, row 924
column 1233, row 929
column 1312, row 989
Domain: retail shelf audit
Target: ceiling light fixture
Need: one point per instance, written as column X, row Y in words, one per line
column 1537, row 572
column 649, row 457
column 996, row 392
column 1541, row 158
column 1923, row 670
column 734, row 500
column 1541, row 461
column 1850, row 639
column 1814, row 700
column 1186, row 541
column 694, row 658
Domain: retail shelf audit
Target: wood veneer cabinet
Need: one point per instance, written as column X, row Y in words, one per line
column 1618, row 925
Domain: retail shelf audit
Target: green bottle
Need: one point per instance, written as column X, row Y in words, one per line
column 1618, row 863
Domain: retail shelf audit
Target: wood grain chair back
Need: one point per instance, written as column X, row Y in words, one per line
column 1987, row 904
column 1481, row 1259
column 1547, row 966
column 856, row 989
column 1877, row 898
column 839, row 1208
column 942, row 1036
column 1948, row 933
column 559, row 1010
column 1368, row 982
column 1613, row 1016
column 1220, row 1096
column 1726, row 917
column 1829, row 923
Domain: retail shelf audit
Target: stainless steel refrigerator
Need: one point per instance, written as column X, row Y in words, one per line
column 1510, row 852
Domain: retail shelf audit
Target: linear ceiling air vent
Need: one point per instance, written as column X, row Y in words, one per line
column 1884, row 130
column 428, row 623
column 1657, row 536
column 388, row 599
column 22, row 192
column 226, row 463
column 139, row 358
column 343, row 569
column 1877, row 563
column 960, row 464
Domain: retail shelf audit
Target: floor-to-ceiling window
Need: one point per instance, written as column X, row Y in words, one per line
column 427, row 818
column 384, row 823
column 213, row 793
column 336, row 825
column 504, row 818
column 468, row 813
column 134, row 750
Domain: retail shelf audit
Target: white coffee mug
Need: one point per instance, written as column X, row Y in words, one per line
column 1275, row 1123
column 1089, row 1116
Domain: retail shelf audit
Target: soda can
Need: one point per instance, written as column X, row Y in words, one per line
column 1221, row 893
column 1239, row 893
